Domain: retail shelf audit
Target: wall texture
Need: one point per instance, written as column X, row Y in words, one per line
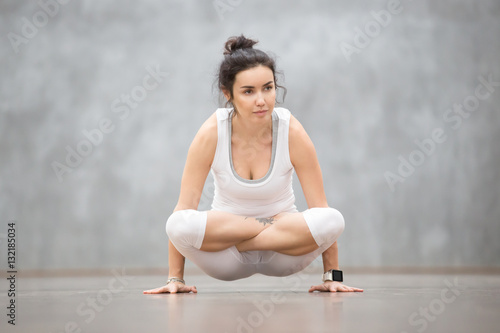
column 99, row 101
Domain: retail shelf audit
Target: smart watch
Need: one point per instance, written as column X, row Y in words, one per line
column 333, row 275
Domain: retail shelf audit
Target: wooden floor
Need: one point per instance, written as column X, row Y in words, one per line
column 390, row 303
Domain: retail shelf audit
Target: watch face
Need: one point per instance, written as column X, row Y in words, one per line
column 337, row 276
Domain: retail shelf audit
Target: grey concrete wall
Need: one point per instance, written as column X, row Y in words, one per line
column 365, row 90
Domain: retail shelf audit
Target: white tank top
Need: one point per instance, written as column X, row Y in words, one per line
column 264, row 197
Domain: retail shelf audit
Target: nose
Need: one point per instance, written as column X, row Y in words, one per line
column 260, row 100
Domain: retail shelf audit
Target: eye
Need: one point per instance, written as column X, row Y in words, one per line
column 268, row 88
column 247, row 92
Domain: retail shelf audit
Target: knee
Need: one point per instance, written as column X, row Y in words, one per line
column 335, row 221
column 177, row 226
column 325, row 223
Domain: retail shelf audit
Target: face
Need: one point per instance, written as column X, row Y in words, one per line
column 254, row 93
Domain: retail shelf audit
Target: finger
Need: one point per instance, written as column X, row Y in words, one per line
column 352, row 289
column 316, row 288
column 152, row 291
column 321, row 288
column 186, row 289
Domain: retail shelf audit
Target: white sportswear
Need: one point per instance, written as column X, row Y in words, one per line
column 263, row 197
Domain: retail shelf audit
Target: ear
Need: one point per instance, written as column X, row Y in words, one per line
column 227, row 94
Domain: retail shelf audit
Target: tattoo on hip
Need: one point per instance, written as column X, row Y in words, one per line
column 264, row 220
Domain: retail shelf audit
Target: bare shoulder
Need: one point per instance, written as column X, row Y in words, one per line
column 208, row 131
column 297, row 135
column 295, row 125
column 204, row 143
column 300, row 145
column 207, row 134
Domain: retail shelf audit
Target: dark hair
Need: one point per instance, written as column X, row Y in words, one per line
column 239, row 55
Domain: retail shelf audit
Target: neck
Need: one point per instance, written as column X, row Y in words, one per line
column 247, row 129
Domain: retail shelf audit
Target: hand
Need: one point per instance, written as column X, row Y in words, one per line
column 172, row 288
column 333, row 286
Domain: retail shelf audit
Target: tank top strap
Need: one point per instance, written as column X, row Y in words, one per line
column 283, row 135
column 262, row 197
column 221, row 158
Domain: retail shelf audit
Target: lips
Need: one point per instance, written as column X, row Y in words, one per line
column 260, row 112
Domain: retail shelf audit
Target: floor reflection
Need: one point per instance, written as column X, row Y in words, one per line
column 272, row 311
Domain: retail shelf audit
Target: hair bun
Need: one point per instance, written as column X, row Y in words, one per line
column 238, row 42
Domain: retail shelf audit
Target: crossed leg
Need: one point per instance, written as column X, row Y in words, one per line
column 224, row 230
column 221, row 243
column 286, row 233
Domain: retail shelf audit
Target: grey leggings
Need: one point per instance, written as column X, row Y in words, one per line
column 186, row 229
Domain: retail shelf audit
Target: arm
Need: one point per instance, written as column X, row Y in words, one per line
column 198, row 162
column 305, row 162
column 199, row 159
column 331, row 258
column 306, row 165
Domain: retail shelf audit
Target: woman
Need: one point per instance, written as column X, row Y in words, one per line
column 252, row 150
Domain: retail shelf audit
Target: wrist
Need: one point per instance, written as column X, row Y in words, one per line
column 333, row 275
column 175, row 279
